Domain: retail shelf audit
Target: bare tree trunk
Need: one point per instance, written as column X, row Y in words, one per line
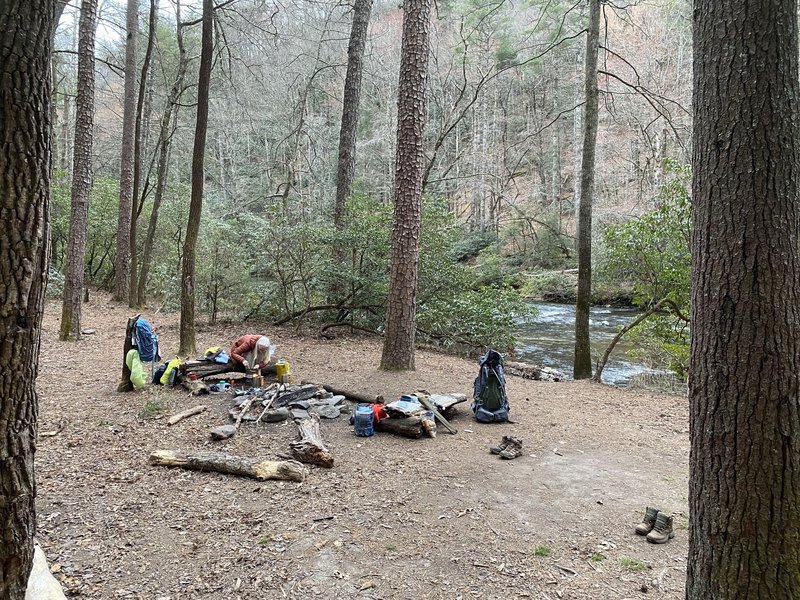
column 744, row 468
column 26, row 30
column 81, row 177
column 583, row 360
column 168, row 124
column 122, row 260
column 350, row 102
column 136, row 202
column 401, row 314
column 187, row 341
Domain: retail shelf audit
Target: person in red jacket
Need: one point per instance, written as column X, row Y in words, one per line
column 252, row 351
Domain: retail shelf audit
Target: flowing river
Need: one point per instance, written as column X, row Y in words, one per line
column 549, row 340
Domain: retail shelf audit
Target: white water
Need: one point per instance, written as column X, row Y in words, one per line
column 549, row 340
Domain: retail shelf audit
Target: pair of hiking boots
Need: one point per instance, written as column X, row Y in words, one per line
column 509, row 448
column 656, row 525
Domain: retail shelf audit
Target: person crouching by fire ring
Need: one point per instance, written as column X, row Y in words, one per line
column 251, row 351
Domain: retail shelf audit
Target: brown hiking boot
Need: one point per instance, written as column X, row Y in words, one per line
column 649, row 519
column 662, row 531
column 503, row 445
column 513, row 450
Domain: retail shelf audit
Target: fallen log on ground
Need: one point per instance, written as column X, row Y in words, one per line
column 350, row 394
column 536, row 372
column 189, row 412
column 409, row 426
column 232, row 465
column 309, row 448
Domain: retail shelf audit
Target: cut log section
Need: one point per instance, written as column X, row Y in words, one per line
column 410, row 427
column 309, row 448
column 233, row 465
column 189, row 412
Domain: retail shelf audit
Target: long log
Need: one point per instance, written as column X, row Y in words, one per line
column 349, row 394
column 408, row 427
column 233, row 465
column 535, row 372
column 189, row 412
column 204, row 368
column 309, row 448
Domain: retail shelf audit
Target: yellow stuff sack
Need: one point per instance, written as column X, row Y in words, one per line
column 168, row 377
column 138, row 376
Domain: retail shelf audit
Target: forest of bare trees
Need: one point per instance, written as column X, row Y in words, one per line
column 501, row 153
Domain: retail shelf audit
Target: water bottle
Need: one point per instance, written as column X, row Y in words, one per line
column 363, row 421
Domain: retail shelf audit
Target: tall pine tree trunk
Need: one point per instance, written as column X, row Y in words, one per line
column 138, row 142
column 168, row 123
column 583, row 359
column 401, row 314
column 187, row 340
column 122, row 260
column 26, row 30
column 81, row 176
column 744, row 375
column 350, row 103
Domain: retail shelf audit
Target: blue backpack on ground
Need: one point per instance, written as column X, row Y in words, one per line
column 490, row 403
column 145, row 341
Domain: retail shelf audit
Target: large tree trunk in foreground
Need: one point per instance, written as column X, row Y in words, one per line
column 122, row 260
column 401, row 313
column 81, row 176
column 233, row 465
column 26, row 29
column 187, row 341
column 582, row 368
column 744, row 485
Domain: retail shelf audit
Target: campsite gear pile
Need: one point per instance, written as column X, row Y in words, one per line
column 656, row 525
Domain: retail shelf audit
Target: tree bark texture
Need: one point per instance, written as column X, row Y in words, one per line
column 350, row 103
column 169, row 121
column 138, row 142
column 744, row 481
column 123, row 257
column 26, row 30
column 582, row 368
column 81, row 176
column 398, row 345
column 187, row 338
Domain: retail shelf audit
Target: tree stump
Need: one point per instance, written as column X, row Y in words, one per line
column 233, row 465
column 126, row 385
column 308, row 448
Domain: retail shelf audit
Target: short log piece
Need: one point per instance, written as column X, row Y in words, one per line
column 308, row 447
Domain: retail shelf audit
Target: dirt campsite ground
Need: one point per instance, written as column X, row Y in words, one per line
column 395, row 518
